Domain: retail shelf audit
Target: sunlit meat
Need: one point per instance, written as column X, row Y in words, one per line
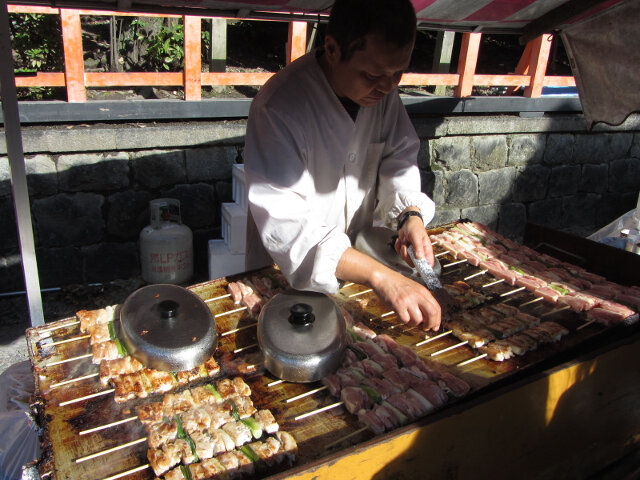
column 363, row 331
column 118, row 366
column 229, row 461
column 88, row 318
column 521, row 343
column 266, row 421
column 173, row 403
column 104, row 351
column 187, row 454
column 241, row 293
column 161, row 460
column 239, row 432
column 99, row 333
column 289, row 447
column 499, row 351
column 163, row 433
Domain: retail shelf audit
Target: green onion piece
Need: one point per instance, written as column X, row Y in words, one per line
column 248, row 452
column 356, row 373
column 354, row 336
column 254, row 426
column 122, row 351
column 374, row 395
column 234, row 410
column 202, row 371
column 175, row 377
column 112, row 331
column 186, row 473
column 181, row 433
column 519, row 270
column 359, row 353
column 558, row 288
column 192, row 445
column 214, row 391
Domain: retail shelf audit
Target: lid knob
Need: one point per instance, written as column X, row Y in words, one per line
column 301, row 314
column 168, row 309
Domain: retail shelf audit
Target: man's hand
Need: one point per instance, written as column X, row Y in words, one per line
column 412, row 302
column 414, row 233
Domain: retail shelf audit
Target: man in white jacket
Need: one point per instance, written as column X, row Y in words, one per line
column 330, row 149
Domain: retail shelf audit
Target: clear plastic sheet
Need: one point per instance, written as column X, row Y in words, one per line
column 19, row 436
column 622, row 231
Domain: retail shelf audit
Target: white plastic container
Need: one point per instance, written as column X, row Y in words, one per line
column 166, row 246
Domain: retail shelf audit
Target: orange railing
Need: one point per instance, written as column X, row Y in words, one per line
column 530, row 72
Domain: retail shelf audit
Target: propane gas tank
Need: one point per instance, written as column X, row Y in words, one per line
column 166, row 246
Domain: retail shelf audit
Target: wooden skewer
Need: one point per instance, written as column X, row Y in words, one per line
column 566, row 307
column 217, row 298
column 110, row 450
column 73, row 380
column 449, row 348
column 229, row 312
column 319, row 410
column 72, row 359
column 482, row 272
column 493, row 283
column 537, row 299
column 87, row 397
column 387, row 314
column 431, row 339
column 348, row 284
column 437, row 242
column 109, row 425
column 68, row 340
column 128, row 472
column 229, row 332
column 339, row 441
column 585, row 325
column 512, row 292
column 306, row 394
column 438, row 255
column 361, row 293
column 454, row 263
column 46, row 474
column 471, row 360
column 242, row 349
column 58, row 327
column 274, row 383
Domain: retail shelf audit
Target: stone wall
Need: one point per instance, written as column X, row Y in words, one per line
column 90, row 185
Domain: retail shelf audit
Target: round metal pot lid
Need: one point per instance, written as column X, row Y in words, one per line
column 167, row 327
column 302, row 336
column 378, row 242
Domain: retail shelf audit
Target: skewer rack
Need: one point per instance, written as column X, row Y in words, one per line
column 74, row 407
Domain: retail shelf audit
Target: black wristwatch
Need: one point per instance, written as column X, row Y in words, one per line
column 405, row 216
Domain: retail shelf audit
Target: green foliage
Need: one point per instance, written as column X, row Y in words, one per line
column 37, row 42
column 162, row 49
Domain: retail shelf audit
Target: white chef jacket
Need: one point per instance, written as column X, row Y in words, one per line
column 315, row 178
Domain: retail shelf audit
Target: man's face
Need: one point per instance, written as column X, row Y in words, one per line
column 370, row 73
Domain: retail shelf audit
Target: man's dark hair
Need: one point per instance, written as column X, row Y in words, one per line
column 351, row 20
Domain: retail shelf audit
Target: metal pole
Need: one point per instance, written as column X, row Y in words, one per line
column 13, row 137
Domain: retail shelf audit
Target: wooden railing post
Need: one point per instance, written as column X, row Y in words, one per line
column 73, row 58
column 192, row 58
column 540, row 48
column 467, row 63
column 297, row 45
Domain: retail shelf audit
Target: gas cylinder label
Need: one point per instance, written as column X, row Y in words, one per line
column 165, row 262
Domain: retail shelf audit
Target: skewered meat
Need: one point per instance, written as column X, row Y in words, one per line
column 499, row 351
column 104, row 351
column 89, row 318
column 119, row 366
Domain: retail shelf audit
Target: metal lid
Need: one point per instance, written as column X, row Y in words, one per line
column 167, row 327
column 378, row 242
column 302, row 336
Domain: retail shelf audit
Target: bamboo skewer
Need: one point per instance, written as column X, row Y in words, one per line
column 110, row 450
column 431, row 339
column 73, row 380
column 67, row 360
column 58, row 327
column 217, row 298
column 438, row 255
column 585, row 325
column 490, row 284
column 454, row 263
column 276, row 382
column 109, row 425
column 557, row 310
column 482, row 272
column 352, row 434
column 68, row 340
column 306, row 394
column 229, row 312
column 242, row 349
column 87, row 397
column 537, row 299
column 361, row 293
column 235, row 330
column 512, row 292
column 128, row 472
column 450, row 348
column 319, row 410
column 471, row 360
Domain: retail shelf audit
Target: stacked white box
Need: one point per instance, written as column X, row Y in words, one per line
column 227, row 255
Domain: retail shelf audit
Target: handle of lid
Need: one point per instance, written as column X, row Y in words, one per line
column 168, row 309
column 301, row 314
